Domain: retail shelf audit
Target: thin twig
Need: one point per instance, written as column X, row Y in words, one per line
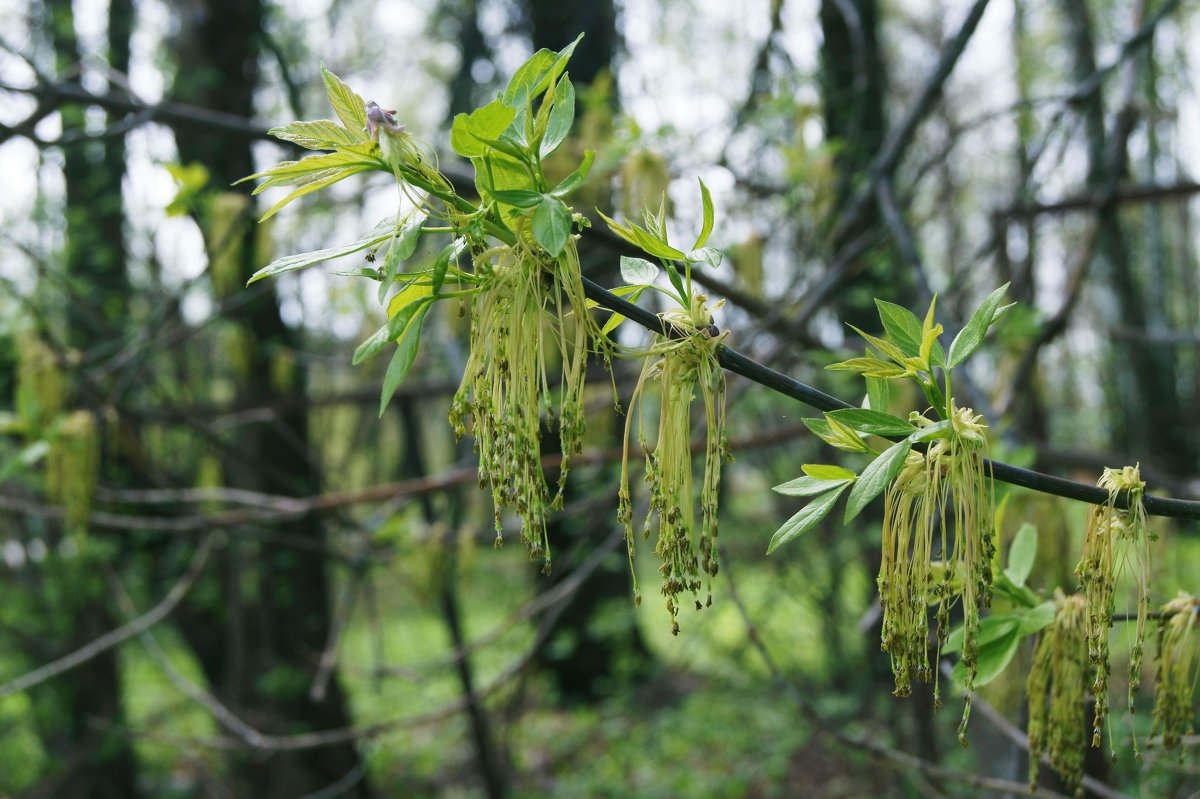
column 122, row 633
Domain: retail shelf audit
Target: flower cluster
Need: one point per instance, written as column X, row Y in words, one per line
column 519, row 321
column 1056, row 686
column 940, row 506
column 681, row 364
column 1116, row 539
column 1178, row 669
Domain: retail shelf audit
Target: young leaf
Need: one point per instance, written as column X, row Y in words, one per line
column 822, row 471
column 319, row 134
column 807, row 486
column 971, row 336
column 994, row 657
column 518, row 198
column 836, row 436
column 869, row 367
column 575, row 179
column 876, row 477
column 901, row 325
column 562, row 117
column 469, row 132
column 705, row 255
column 707, row 226
column 1036, row 618
column 879, row 394
column 346, row 103
column 381, row 233
column 440, row 266
column 416, row 289
column 1021, row 555
column 874, row 422
column 932, row 432
column 334, row 176
column 637, row 271
column 552, row 225
column 394, row 328
column 402, row 360
column 807, row 518
column 534, row 76
column 887, row 348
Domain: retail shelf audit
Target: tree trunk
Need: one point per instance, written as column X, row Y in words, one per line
column 259, row 650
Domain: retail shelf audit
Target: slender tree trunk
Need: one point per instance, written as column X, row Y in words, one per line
column 258, row 646
column 82, row 713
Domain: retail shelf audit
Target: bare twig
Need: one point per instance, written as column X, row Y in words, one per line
column 122, row 633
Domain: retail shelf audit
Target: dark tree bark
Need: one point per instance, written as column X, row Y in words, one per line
column 81, row 714
column 1149, row 412
column 259, row 650
column 853, row 84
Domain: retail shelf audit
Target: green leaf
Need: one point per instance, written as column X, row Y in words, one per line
column 807, row 486
column 402, row 360
column 879, row 394
column 876, row 477
column 575, row 179
column 402, row 247
column 836, row 435
column 1036, row 618
column 319, row 134
column 887, row 348
column 1021, row 555
column 534, row 76
column 901, row 326
column 971, row 336
column 874, row 422
column 823, row 471
column 518, row 198
column 706, row 228
column 638, row 271
column 308, row 188
column 869, row 367
column 410, row 234
column 562, row 117
column 394, row 328
column 806, row 519
column 991, row 628
column 379, row 234
column 705, row 255
column 348, row 106
column 552, row 225
column 932, row 432
column 449, row 253
column 647, row 241
column 994, row 657
column 469, row 132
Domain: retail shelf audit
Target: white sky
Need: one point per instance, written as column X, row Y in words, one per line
column 687, row 65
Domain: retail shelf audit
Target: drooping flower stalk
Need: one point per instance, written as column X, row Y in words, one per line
column 1056, row 686
column 941, row 504
column 530, row 310
column 1117, row 540
column 1178, row 669
column 680, row 364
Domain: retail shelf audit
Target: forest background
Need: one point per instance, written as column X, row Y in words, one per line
column 271, row 592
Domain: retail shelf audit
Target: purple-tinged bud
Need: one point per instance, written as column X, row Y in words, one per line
column 380, row 120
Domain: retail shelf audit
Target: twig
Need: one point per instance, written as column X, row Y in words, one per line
column 122, row 633
column 782, row 384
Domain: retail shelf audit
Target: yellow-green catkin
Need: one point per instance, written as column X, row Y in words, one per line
column 531, row 311
column 73, row 468
column 40, row 385
column 1177, row 671
column 1116, row 540
column 682, row 365
column 1057, row 687
column 941, row 505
